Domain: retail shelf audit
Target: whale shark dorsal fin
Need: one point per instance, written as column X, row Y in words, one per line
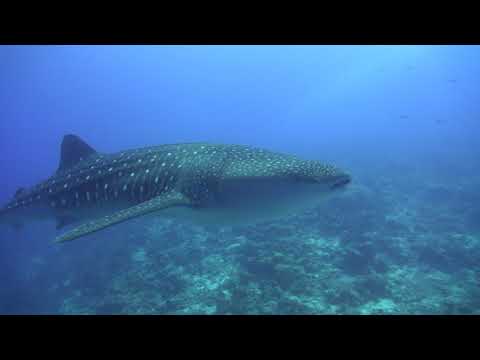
column 160, row 202
column 73, row 150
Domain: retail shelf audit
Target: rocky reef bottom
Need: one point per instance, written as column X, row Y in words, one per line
column 381, row 247
column 361, row 252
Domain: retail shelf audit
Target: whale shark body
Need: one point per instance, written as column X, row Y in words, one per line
column 199, row 182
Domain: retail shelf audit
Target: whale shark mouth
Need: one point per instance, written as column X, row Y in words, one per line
column 343, row 181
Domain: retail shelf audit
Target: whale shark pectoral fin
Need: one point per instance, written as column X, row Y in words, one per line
column 157, row 203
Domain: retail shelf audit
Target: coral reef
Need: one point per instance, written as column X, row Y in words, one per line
column 360, row 252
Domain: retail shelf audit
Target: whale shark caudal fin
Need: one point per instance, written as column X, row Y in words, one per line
column 72, row 151
column 160, row 202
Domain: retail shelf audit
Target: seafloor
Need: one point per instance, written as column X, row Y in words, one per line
column 376, row 248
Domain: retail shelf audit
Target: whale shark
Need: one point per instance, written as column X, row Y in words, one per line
column 221, row 184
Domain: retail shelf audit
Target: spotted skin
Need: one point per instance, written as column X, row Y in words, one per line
column 92, row 185
column 134, row 176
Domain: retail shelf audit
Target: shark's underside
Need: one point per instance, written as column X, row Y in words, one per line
column 220, row 182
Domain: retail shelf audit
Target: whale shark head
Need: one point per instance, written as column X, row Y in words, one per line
column 259, row 166
column 260, row 185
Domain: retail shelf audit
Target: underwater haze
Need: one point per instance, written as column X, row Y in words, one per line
column 402, row 238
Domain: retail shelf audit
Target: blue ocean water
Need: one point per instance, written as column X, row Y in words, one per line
column 404, row 238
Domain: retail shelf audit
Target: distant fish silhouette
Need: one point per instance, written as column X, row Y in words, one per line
column 403, row 116
column 452, row 81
